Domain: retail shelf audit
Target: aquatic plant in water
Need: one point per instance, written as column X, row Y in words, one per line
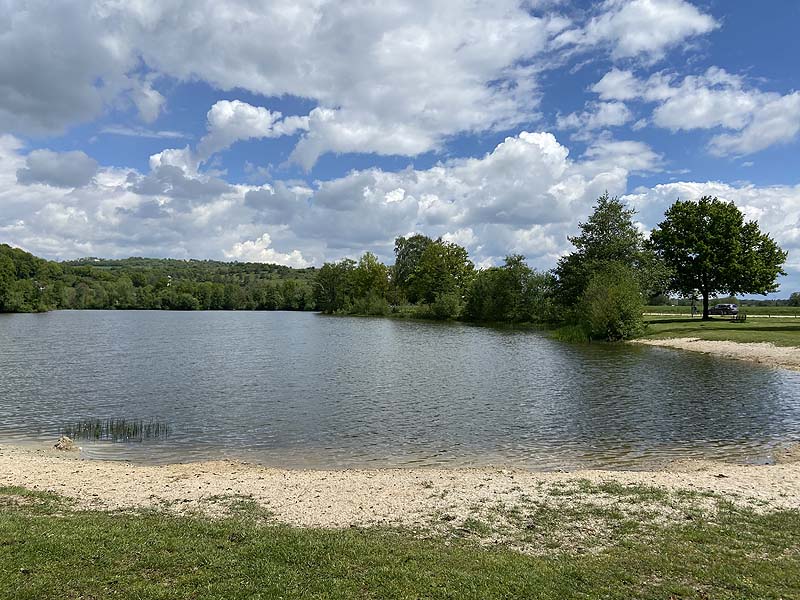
column 116, row 430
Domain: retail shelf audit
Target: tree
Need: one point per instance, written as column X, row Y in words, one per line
column 794, row 299
column 8, row 274
column 370, row 277
column 608, row 236
column 512, row 293
column 444, row 268
column 408, row 252
column 333, row 286
column 710, row 249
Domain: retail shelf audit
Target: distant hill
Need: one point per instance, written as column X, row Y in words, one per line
column 32, row 284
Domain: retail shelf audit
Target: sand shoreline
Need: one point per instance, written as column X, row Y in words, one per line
column 398, row 497
column 784, row 357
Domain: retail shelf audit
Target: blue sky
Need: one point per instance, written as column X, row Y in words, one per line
column 298, row 132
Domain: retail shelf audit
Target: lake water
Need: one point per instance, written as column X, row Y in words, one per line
column 305, row 390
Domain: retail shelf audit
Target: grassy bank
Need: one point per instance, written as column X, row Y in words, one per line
column 712, row 550
column 763, row 311
column 778, row 331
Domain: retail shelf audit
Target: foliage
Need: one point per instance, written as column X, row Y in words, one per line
column 333, row 288
column 608, row 236
column 408, row 252
column 353, row 288
column 710, row 249
column 442, row 268
column 611, row 305
column 794, row 299
column 513, row 293
column 447, row 305
column 29, row 284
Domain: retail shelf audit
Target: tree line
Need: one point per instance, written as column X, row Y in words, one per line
column 31, row 284
column 701, row 249
column 597, row 291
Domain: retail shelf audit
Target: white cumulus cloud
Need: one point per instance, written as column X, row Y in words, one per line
column 641, row 27
column 753, row 119
column 259, row 250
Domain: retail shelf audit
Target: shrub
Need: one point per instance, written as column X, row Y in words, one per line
column 611, row 306
column 372, row 305
column 447, row 305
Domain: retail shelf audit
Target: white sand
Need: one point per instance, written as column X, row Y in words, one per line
column 412, row 497
column 786, row 357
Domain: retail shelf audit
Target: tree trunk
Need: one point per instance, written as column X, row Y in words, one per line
column 706, row 317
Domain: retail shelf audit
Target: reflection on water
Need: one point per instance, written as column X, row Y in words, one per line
column 303, row 390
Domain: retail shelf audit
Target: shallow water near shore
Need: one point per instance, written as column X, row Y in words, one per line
column 300, row 390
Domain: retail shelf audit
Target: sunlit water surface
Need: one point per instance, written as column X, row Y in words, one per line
column 304, row 390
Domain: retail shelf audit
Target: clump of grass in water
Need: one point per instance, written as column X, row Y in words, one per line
column 116, row 430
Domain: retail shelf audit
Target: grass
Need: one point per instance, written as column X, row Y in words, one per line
column 781, row 332
column 49, row 550
column 772, row 311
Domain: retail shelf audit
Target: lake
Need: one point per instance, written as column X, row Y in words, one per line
column 305, row 390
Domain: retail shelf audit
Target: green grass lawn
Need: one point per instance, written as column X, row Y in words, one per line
column 779, row 331
column 48, row 550
column 750, row 310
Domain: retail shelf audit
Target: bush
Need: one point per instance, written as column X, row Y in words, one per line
column 447, row 305
column 372, row 305
column 611, row 307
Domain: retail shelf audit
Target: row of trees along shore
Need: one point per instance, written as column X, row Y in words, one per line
column 597, row 291
column 702, row 248
column 31, row 284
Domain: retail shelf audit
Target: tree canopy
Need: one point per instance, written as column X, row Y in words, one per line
column 29, row 284
column 608, row 236
column 711, row 249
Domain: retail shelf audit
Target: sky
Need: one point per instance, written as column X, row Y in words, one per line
column 302, row 131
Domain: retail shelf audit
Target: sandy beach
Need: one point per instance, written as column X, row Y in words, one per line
column 785, row 357
column 403, row 497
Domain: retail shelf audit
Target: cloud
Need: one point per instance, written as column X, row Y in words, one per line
column 647, row 28
column 598, row 116
column 58, row 169
column 775, row 121
column 183, row 158
column 526, row 195
column 63, row 70
column 716, row 99
column 231, row 121
column 149, row 101
column 142, row 132
column 259, row 250
column 339, row 131
column 396, row 78
column 227, row 123
column 423, row 70
column 605, row 154
column 618, row 85
column 172, row 181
